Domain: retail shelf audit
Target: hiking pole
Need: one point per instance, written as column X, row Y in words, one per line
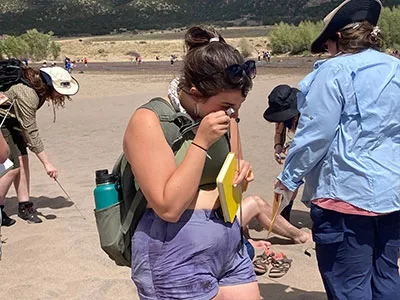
column 69, row 198
column 239, row 155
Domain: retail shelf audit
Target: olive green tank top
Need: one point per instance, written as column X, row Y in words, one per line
column 218, row 152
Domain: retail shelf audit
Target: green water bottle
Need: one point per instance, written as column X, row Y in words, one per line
column 105, row 193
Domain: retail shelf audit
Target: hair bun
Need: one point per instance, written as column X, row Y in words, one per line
column 198, row 36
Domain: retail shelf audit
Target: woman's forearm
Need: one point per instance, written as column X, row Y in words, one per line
column 183, row 184
column 43, row 158
column 279, row 137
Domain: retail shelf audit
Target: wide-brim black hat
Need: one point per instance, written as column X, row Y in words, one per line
column 282, row 104
column 350, row 11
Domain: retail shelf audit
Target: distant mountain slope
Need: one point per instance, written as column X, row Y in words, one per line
column 72, row 17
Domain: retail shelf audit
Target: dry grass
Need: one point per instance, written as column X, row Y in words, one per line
column 116, row 47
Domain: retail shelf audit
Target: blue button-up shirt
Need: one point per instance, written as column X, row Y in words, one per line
column 347, row 143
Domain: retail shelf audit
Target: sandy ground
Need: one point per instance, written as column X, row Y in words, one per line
column 61, row 258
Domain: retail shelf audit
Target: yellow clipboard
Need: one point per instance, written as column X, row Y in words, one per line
column 229, row 196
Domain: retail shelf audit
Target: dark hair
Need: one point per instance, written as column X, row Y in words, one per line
column 205, row 63
column 358, row 37
column 44, row 91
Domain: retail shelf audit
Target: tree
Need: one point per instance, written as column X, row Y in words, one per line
column 41, row 45
column 14, row 46
column 33, row 44
column 55, row 49
column 281, row 38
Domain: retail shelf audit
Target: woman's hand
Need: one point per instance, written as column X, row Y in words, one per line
column 280, row 188
column 244, row 175
column 51, row 170
column 211, row 128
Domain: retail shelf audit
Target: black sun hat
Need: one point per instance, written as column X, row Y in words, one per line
column 350, row 11
column 282, row 104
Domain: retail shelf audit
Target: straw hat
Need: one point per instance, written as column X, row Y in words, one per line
column 60, row 80
column 350, row 11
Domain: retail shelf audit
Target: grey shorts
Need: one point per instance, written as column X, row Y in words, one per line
column 188, row 259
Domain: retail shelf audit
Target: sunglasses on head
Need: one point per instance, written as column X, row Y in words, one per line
column 235, row 72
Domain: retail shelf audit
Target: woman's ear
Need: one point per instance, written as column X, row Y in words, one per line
column 196, row 95
column 339, row 35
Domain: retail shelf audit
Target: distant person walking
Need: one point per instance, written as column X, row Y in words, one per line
column 68, row 66
column 65, row 61
column 20, row 130
column 173, row 58
column 267, row 56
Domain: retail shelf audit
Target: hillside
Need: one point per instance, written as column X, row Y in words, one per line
column 77, row 17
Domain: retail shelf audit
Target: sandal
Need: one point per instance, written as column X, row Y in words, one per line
column 269, row 254
column 260, row 265
column 280, row 265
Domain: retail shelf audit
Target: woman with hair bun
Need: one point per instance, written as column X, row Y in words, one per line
column 347, row 147
column 182, row 248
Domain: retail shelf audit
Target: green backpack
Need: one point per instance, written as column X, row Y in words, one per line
column 117, row 223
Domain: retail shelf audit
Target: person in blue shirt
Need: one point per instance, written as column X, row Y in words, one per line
column 347, row 148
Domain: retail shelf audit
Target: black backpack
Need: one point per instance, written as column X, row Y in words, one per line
column 117, row 223
column 11, row 73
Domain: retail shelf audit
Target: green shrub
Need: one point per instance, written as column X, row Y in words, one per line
column 389, row 23
column 55, row 49
column 281, row 38
column 292, row 39
column 14, row 46
column 245, row 48
column 32, row 44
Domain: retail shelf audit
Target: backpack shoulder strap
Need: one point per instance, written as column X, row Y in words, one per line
column 174, row 124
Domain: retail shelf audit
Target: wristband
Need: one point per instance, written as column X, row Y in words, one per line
column 197, row 145
column 202, row 148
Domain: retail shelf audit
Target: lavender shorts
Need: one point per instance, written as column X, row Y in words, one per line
column 188, row 259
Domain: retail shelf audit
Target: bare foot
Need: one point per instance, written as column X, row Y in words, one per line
column 260, row 244
column 303, row 237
